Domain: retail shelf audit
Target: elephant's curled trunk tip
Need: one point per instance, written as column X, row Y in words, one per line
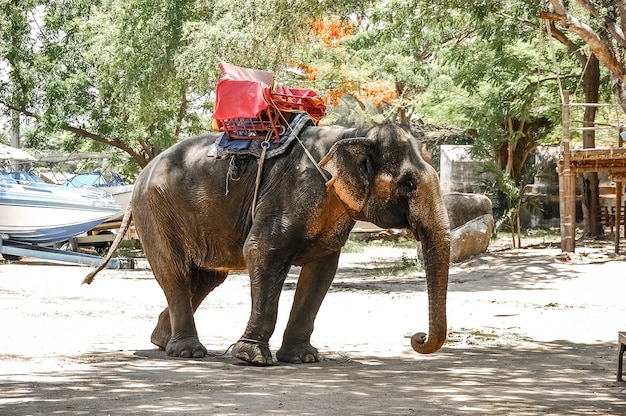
column 424, row 344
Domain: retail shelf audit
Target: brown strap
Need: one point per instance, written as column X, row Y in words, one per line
column 264, row 146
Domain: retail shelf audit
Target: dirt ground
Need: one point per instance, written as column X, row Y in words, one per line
column 531, row 332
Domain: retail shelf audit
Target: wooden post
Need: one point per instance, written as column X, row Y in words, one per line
column 618, row 198
column 567, row 186
column 618, row 213
column 15, row 135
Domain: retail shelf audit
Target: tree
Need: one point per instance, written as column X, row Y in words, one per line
column 388, row 58
column 501, row 25
column 591, row 81
column 511, row 195
column 500, row 66
column 103, row 72
column 602, row 30
column 136, row 75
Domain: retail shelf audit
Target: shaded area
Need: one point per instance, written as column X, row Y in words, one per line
column 504, row 308
column 517, row 269
column 564, row 378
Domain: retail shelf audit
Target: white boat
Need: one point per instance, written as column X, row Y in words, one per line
column 111, row 183
column 122, row 195
column 38, row 213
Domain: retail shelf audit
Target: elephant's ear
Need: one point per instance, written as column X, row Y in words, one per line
column 349, row 162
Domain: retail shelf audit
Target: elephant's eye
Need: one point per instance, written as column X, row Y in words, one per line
column 407, row 184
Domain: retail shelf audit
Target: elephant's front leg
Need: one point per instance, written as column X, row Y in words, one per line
column 267, row 275
column 313, row 283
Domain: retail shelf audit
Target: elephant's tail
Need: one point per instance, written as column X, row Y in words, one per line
column 128, row 216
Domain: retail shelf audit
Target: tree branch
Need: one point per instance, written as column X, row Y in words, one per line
column 609, row 21
column 621, row 11
column 147, row 150
column 84, row 133
column 569, row 44
column 110, row 142
column 590, row 7
column 591, row 38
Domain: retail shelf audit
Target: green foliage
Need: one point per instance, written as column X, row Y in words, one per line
column 510, row 196
column 139, row 75
column 403, row 266
column 406, row 265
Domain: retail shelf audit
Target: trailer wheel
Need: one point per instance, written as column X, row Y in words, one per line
column 70, row 245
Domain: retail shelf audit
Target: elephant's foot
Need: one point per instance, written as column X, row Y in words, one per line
column 160, row 337
column 189, row 347
column 253, row 352
column 163, row 331
column 298, row 354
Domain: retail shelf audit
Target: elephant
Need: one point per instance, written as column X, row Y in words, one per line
column 199, row 217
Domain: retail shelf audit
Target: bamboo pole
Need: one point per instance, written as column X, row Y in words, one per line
column 618, row 213
column 594, row 105
column 567, row 186
column 618, row 201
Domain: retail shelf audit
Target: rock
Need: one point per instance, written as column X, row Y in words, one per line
column 471, row 238
column 471, row 224
column 465, row 207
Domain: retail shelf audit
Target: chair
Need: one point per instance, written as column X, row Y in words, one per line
column 621, row 342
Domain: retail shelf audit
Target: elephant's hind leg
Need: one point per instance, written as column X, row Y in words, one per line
column 186, row 344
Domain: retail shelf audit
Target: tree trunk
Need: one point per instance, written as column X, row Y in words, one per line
column 591, row 189
column 510, row 148
column 619, row 90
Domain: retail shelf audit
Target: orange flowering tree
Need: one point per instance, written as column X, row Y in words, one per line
column 330, row 30
column 335, row 75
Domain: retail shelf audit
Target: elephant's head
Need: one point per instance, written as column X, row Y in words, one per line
column 382, row 178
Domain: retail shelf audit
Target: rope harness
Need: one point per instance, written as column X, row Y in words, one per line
column 264, row 146
column 257, row 183
column 248, row 340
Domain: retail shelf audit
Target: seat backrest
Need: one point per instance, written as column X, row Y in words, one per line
column 246, row 74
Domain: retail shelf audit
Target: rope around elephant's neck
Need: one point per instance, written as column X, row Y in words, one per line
column 264, row 146
column 315, row 163
column 306, row 151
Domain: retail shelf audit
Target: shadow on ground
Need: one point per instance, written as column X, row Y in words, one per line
column 558, row 378
column 516, row 270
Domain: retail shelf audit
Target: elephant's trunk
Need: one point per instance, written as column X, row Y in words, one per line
column 429, row 221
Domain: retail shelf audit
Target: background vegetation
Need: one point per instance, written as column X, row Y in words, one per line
column 136, row 76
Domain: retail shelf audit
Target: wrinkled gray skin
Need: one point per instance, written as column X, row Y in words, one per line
column 193, row 234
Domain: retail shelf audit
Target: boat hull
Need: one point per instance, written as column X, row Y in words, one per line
column 40, row 214
column 122, row 195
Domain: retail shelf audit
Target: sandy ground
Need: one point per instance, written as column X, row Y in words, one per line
column 531, row 331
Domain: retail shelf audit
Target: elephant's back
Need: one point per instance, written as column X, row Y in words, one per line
column 187, row 172
column 180, row 166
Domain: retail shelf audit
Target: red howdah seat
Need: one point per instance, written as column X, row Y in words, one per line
column 248, row 104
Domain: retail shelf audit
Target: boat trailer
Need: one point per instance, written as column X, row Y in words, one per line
column 19, row 249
